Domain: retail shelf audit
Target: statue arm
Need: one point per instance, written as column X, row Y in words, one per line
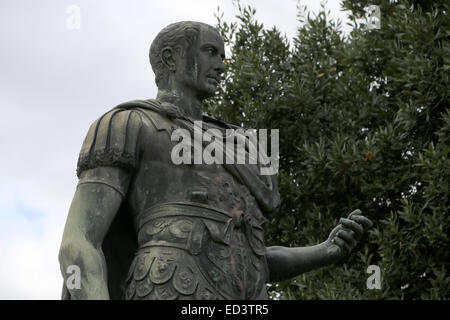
column 96, row 201
column 285, row 263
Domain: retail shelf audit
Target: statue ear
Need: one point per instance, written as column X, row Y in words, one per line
column 168, row 58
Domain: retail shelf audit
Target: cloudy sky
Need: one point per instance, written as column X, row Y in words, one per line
column 54, row 82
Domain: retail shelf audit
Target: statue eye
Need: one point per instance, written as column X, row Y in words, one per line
column 211, row 50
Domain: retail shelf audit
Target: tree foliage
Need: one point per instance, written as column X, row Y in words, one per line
column 364, row 123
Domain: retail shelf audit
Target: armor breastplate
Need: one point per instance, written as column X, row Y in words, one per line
column 200, row 232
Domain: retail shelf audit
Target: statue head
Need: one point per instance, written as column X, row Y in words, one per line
column 188, row 55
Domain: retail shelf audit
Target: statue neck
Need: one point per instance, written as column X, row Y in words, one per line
column 189, row 106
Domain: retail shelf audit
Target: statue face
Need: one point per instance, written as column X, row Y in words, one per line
column 202, row 65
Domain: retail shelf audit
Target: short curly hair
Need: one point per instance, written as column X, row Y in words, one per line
column 180, row 36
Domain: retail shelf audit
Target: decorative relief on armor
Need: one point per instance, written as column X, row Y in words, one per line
column 228, row 266
column 181, row 228
column 143, row 264
column 131, row 271
column 129, row 293
column 144, row 287
column 225, row 246
column 169, row 273
column 205, row 294
column 184, row 281
column 163, row 268
column 166, row 292
column 156, row 226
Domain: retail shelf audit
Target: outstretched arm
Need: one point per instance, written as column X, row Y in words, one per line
column 285, row 263
column 94, row 206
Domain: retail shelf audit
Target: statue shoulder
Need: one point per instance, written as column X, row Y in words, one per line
column 112, row 140
column 153, row 114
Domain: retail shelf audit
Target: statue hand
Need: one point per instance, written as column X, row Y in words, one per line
column 348, row 233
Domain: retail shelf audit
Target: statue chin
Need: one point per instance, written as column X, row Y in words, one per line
column 208, row 92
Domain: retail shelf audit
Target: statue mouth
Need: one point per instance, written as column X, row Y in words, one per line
column 216, row 80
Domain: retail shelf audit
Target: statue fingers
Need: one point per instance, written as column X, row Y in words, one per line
column 348, row 236
column 352, row 225
column 341, row 244
column 356, row 212
column 363, row 221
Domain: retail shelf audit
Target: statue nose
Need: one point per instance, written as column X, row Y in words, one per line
column 220, row 68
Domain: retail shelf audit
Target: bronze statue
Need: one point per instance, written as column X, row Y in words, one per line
column 142, row 227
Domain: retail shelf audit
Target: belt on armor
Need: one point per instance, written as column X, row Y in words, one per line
column 219, row 223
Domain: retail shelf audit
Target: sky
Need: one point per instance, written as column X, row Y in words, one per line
column 56, row 78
